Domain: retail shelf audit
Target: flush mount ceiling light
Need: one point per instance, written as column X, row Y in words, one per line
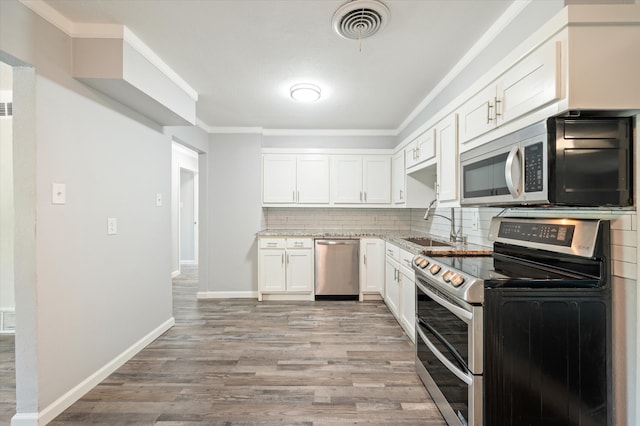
column 360, row 19
column 305, row 92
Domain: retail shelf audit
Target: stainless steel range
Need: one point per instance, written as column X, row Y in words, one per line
column 523, row 336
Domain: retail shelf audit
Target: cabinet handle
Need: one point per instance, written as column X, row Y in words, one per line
column 365, row 196
column 401, row 194
column 364, row 258
column 360, row 196
column 417, row 153
column 272, row 244
column 287, row 258
column 497, row 103
column 489, row 108
column 297, row 196
column 294, row 196
column 282, row 258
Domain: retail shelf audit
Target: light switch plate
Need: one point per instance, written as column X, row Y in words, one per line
column 112, row 226
column 475, row 218
column 159, row 199
column 58, row 193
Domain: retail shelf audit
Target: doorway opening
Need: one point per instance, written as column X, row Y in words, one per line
column 184, row 205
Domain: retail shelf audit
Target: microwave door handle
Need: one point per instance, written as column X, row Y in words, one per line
column 508, row 175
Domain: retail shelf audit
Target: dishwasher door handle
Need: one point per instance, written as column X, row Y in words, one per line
column 338, row 243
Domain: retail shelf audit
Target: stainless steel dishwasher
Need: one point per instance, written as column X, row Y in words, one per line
column 337, row 270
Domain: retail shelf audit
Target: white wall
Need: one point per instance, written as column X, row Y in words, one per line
column 7, row 296
column 86, row 301
column 235, row 215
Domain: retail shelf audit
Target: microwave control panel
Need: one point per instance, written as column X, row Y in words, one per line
column 533, row 164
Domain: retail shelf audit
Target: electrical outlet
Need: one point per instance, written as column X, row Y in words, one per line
column 112, row 226
column 58, row 193
column 159, row 199
column 475, row 219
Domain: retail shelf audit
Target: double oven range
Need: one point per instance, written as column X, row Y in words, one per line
column 522, row 336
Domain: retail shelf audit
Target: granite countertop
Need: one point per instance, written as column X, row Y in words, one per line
column 397, row 238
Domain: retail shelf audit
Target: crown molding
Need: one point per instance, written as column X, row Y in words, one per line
column 501, row 23
column 330, row 132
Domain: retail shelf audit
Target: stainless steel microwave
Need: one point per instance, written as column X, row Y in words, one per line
column 562, row 161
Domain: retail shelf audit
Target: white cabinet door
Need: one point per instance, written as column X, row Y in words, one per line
column 447, row 174
column 531, row 83
column 426, row 146
column 408, row 302
column 272, row 275
column 346, row 179
column 398, row 177
column 411, row 154
column 278, row 179
column 299, row 270
column 392, row 285
column 377, row 179
column 372, row 260
column 312, row 179
column 477, row 114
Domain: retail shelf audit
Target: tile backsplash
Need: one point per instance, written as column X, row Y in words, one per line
column 338, row 219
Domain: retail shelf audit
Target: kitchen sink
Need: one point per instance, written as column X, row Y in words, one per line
column 427, row 242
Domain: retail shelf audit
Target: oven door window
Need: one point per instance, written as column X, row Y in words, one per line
column 485, row 178
column 453, row 389
column 444, row 329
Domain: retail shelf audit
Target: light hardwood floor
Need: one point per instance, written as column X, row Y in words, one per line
column 245, row 362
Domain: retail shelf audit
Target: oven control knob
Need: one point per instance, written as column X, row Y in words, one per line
column 417, row 261
column 434, row 269
column 423, row 263
column 457, row 280
column 447, row 276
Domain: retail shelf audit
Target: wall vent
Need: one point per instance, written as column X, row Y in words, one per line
column 6, row 109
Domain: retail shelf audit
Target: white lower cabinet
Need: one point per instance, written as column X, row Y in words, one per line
column 407, row 295
column 371, row 268
column 392, row 285
column 400, row 290
column 285, row 269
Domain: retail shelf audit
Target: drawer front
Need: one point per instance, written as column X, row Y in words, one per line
column 272, row 243
column 393, row 251
column 405, row 259
column 299, row 243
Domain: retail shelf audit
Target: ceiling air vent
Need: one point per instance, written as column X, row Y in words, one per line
column 6, row 109
column 360, row 19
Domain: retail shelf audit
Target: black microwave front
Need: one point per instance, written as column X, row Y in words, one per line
column 562, row 161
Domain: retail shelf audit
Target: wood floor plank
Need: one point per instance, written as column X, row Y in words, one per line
column 244, row 362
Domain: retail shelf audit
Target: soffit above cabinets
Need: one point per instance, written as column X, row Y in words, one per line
column 122, row 70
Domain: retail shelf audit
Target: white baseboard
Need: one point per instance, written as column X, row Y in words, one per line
column 66, row 400
column 227, row 295
column 175, row 273
column 25, row 419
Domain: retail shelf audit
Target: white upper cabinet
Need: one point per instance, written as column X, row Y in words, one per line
column 398, row 178
column 278, row 178
column 357, row 179
column 447, row 174
column 377, row 179
column 421, row 149
column 531, row 83
column 295, row 179
column 312, row 179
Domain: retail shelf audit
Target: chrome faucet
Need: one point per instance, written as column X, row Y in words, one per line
column 454, row 236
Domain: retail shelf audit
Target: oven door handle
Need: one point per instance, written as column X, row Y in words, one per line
column 467, row 378
column 450, row 349
column 461, row 313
